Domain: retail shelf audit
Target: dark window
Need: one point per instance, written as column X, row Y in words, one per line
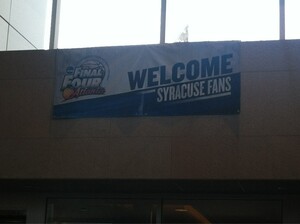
column 102, row 211
column 12, row 216
column 222, row 211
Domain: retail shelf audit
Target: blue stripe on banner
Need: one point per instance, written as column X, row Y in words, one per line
column 212, row 96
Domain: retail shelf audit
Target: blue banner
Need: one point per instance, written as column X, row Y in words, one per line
column 152, row 80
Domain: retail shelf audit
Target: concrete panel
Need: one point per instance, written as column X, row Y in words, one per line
column 292, row 55
column 266, row 106
column 254, row 158
column 286, row 157
column 27, row 65
column 82, row 158
column 204, row 158
column 264, row 56
column 27, row 158
column 140, row 157
column 295, row 103
column 54, row 158
column 205, row 126
column 142, row 126
column 274, row 157
column 176, row 126
column 90, row 128
column 25, row 108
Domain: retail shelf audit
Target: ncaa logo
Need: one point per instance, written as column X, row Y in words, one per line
column 87, row 78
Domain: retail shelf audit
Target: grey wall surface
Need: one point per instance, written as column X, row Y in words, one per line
column 263, row 142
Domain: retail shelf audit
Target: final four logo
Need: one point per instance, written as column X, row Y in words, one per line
column 87, row 78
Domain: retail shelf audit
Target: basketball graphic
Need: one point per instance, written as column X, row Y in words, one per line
column 68, row 93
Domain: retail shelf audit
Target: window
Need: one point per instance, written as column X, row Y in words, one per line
column 91, row 23
column 94, row 23
column 12, row 216
column 25, row 25
column 212, row 20
column 292, row 19
column 102, row 211
column 222, row 211
column 90, row 210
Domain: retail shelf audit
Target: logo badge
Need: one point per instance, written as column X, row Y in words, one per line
column 86, row 78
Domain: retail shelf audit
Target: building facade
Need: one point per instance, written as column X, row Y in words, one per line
column 218, row 168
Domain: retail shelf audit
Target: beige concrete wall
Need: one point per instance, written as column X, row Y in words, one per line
column 263, row 142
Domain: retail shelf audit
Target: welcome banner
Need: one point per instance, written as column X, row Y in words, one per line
column 152, row 80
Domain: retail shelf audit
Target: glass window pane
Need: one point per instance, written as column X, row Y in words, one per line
column 222, row 211
column 212, row 20
column 17, row 42
column 5, row 9
column 3, row 34
column 13, row 216
column 102, row 211
column 292, row 19
column 31, row 18
column 90, row 23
